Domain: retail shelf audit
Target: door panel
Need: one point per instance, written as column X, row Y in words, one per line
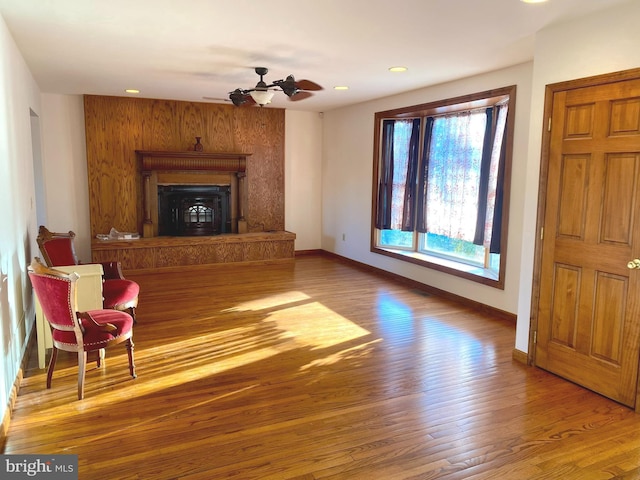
column 619, row 183
column 608, row 317
column 588, row 326
column 573, row 196
column 565, row 305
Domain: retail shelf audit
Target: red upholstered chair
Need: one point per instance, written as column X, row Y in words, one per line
column 118, row 293
column 74, row 331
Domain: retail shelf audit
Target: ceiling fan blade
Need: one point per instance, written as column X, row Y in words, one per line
column 308, row 85
column 300, row 95
column 246, row 102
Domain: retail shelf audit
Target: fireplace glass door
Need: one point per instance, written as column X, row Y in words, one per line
column 193, row 210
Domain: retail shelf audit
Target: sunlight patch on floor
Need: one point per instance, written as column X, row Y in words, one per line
column 190, row 375
column 223, row 337
column 314, row 325
column 309, row 325
column 267, row 303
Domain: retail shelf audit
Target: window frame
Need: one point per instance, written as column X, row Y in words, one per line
column 466, row 102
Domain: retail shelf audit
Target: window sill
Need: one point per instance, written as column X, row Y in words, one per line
column 470, row 272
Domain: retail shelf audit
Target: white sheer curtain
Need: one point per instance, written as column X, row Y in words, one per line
column 454, row 160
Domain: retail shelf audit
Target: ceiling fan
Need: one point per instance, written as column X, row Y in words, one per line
column 262, row 93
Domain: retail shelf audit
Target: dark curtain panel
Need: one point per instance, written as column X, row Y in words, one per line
column 496, row 230
column 485, row 170
column 409, row 207
column 421, row 213
column 385, row 186
column 495, row 192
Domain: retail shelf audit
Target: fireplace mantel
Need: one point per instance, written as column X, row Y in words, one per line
column 192, row 167
column 198, row 161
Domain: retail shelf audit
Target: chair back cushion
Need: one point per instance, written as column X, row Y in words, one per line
column 59, row 251
column 55, row 294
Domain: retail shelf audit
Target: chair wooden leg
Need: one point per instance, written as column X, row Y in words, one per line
column 132, row 367
column 101, row 357
column 52, row 364
column 132, row 312
column 82, row 365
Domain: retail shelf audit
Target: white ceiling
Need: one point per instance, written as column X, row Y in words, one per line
column 190, row 49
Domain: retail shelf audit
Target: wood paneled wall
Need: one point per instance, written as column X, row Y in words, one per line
column 118, row 126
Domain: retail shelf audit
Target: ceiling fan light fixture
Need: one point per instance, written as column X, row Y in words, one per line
column 262, row 97
column 262, row 93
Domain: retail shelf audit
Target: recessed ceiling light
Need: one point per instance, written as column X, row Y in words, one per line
column 533, row 1
column 341, row 87
column 132, row 90
column 398, row 69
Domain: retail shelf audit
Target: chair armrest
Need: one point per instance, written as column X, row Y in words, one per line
column 112, row 271
column 103, row 327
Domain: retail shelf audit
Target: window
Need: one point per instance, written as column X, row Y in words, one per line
column 441, row 184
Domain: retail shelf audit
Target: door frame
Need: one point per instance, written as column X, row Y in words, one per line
column 550, row 91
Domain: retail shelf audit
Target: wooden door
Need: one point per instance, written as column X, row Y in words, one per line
column 588, row 312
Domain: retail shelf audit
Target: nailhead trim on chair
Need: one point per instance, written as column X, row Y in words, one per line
column 88, row 344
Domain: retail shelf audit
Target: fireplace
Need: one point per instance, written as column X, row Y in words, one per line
column 193, row 193
column 194, row 210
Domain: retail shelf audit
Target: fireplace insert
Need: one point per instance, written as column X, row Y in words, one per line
column 193, row 210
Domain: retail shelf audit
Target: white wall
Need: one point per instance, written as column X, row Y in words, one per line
column 605, row 42
column 19, row 99
column 302, row 178
column 65, row 169
column 347, row 184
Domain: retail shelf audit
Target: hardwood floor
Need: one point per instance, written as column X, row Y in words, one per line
column 318, row 370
